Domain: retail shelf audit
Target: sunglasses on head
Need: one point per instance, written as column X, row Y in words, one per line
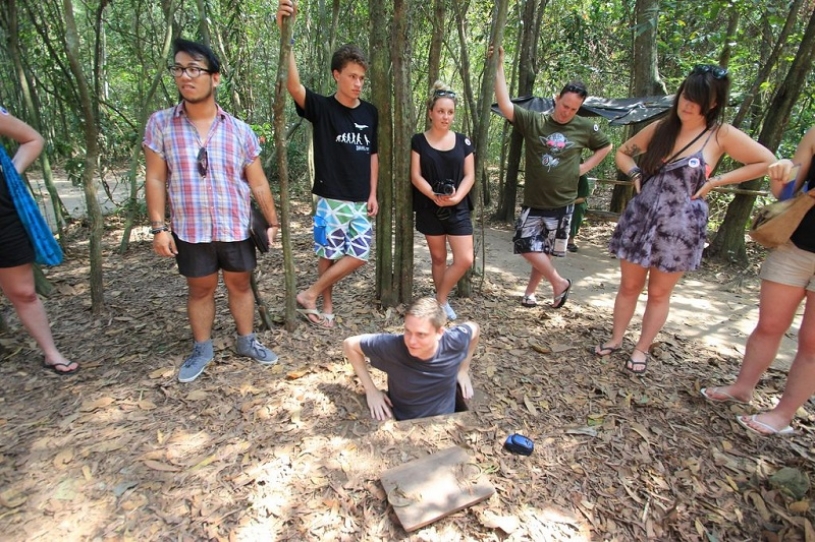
column 577, row 89
column 203, row 162
column 702, row 69
column 444, row 94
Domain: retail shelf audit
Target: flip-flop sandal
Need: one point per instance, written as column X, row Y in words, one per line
column 631, row 365
column 562, row 297
column 529, row 301
column 53, row 368
column 305, row 313
column 328, row 320
column 727, row 397
column 600, row 349
column 769, row 430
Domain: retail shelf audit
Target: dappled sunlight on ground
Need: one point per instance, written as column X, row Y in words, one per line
column 289, row 452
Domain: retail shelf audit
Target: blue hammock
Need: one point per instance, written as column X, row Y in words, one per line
column 46, row 248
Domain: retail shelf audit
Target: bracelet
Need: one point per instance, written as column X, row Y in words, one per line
column 633, row 173
column 156, row 231
column 274, row 225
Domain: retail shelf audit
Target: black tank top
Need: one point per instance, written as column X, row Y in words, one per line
column 804, row 235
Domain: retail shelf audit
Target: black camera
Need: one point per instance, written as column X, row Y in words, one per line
column 444, row 188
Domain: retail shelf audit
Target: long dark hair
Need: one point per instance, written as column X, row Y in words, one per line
column 706, row 85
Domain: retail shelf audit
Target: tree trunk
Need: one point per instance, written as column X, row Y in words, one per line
column 728, row 245
column 290, row 274
column 526, row 82
column 35, row 119
column 86, row 104
column 645, row 80
column 403, row 116
column 434, row 54
column 131, row 212
column 381, row 92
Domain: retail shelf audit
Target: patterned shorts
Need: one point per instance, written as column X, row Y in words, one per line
column 536, row 230
column 342, row 228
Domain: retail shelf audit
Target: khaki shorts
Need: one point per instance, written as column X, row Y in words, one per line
column 791, row 266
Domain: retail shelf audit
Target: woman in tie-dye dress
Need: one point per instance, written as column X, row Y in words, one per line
column 661, row 234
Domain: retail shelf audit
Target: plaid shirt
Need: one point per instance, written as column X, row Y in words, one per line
column 215, row 207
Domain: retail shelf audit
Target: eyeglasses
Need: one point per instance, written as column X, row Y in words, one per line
column 444, row 94
column 191, row 71
column 702, row 69
column 577, row 89
column 203, row 162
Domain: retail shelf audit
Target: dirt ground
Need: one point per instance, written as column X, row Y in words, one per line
column 122, row 451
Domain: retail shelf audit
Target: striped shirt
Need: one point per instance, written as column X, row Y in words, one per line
column 215, row 207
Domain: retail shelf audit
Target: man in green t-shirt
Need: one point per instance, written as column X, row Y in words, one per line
column 554, row 145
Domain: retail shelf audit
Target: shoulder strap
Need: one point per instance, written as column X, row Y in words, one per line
column 683, row 149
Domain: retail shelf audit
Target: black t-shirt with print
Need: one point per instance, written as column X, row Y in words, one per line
column 344, row 140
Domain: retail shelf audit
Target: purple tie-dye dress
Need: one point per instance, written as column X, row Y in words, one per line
column 662, row 226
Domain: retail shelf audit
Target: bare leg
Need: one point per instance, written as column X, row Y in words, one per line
column 542, row 264
column 334, row 272
column 462, row 248
column 201, row 306
column 241, row 300
column 776, row 310
column 535, row 278
column 632, row 281
column 17, row 284
column 437, row 245
column 657, row 306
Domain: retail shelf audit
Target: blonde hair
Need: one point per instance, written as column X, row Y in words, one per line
column 428, row 308
column 440, row 90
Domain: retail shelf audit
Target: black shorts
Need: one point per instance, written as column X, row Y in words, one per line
column 196, row 260
column 15, row 246
column 444, row 221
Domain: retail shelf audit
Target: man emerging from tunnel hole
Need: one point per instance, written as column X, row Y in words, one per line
column 425, row 365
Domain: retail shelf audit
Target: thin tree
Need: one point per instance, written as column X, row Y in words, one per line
column 290, row 276
column 91, row 135
column 729, row 245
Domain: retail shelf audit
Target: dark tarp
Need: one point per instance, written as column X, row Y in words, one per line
column 619, row 111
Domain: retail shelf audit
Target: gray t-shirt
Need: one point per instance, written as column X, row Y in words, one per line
column 419, row 388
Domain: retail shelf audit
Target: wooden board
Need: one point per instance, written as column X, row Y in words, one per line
column 428, row 489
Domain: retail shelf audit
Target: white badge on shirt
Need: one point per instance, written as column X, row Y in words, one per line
column 3, row 110
column 693, row 162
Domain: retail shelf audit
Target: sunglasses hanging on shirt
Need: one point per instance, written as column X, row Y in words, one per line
column 203, row 162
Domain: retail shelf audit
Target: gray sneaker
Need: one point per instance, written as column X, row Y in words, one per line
column 195, row 364
column 250, row 347
column 451, row 314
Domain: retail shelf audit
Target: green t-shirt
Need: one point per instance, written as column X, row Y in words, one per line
column 553, row 152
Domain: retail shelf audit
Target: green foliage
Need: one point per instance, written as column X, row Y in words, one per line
column 589, row 40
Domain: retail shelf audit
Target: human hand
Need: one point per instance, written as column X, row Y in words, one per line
column 272, row 233
column 779, row 172
column 164, row 244
column 491, row 50
column 287, row 8
column 373, row 205
column 463, row 380
column 379, row 404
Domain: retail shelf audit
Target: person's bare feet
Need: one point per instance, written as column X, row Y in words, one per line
column 310, row 305
column 724, row 394
column 61, row 365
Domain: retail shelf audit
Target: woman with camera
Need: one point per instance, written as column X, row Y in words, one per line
column 442, row 170
column 662, row 232
column 787, row 278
